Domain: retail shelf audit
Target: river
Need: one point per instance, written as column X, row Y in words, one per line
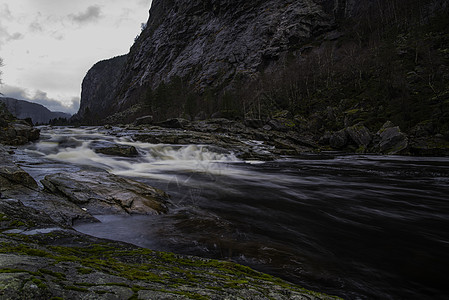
column 357, row 226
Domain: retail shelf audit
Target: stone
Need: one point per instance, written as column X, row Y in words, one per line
column 118, row 150
column 339, row 139
column 254, row 123
column 11, row 174
column 145, row 120
column 360, row 135
column 391, row 139
column 15, row 132
column 325, row 139
column 39, row 263
column 103, row 193
column 174, row 123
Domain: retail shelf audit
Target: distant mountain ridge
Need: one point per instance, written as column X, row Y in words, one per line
column 22, row 109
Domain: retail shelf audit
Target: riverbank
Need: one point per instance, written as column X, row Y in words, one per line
column 285, row 136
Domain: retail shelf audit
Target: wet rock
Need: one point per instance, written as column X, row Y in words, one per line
column 360, row 135
column 279, row 124
column 11, row 174
column 390, row 139
column 429, row 146
column 325, row 139
column 103, row 193
column 118, row 150
column 145, row 120
column 174, row 123
column 254, row 123
column 43, row 260
column 200, row 116
column 339, row 139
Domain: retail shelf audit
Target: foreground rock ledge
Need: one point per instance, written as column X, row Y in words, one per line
column 39, row 259
column 103, row 193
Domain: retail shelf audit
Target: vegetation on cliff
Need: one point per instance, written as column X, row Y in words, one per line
column 368, row 64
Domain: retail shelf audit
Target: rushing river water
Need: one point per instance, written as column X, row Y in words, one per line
column 357, row 226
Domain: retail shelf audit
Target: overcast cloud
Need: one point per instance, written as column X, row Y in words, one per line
column 48, row 46
column 92, row 14
column 42, row 98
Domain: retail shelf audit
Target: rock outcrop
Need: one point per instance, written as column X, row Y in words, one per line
column 209, row 44
column 99, row 88
column 13, row 131
column 103, row 193
column 390, row 139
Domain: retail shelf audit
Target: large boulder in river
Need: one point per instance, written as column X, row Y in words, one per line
column 360, row 135
column 338, row 139
column 118, row 150
column 103, row 193
column 390, row 139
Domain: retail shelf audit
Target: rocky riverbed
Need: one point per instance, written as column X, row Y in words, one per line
column 43, row 257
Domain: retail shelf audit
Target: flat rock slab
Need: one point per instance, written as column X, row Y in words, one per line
column 102, row 193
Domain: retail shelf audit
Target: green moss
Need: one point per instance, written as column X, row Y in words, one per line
column 39, row 283
column 57, row 275
column 17, row 223
column 75, row 288
column 3, row 217
column 84, row 271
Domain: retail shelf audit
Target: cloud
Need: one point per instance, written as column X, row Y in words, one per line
column 36, row 27
column 5, row 13
column 92, row 14
column 5, row 36
column 42, row 98
column 15, row 36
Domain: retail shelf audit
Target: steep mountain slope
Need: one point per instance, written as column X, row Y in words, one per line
column 38, row 113
column 319, row 65
column 97, row 89
column 211, row 43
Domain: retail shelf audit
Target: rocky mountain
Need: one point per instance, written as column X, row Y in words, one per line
column 97, row 88
column 316, row 66
column 209, row 43
column 38, row 113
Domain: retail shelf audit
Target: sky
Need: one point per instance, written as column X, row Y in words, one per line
column 47, row 46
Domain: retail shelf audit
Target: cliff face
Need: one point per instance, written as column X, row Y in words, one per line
column 98, row 89
column 209, row 43
column 205, row 56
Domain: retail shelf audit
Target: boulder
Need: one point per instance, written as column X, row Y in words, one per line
column 338, row 139
column 279, row 124
column 145, row 120
column 390, row 139
column 11, row 174
column 174, row 123
column 17, row 132
column 103, row 193
column 360, row 135
column 254, row 123
column 118, row 150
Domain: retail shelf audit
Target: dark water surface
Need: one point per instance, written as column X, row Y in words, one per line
column 361, row 227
